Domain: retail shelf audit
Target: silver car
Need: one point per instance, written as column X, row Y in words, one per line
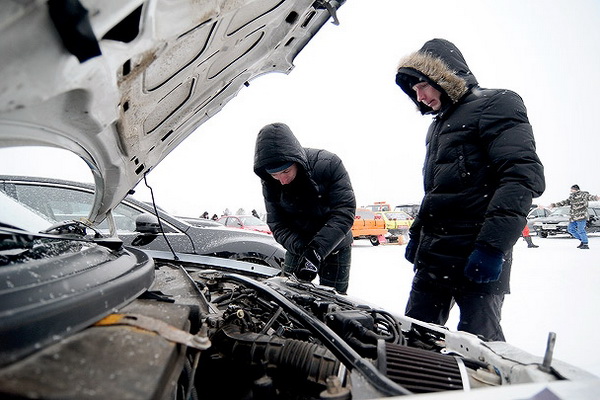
column 172, row 238
column 557, row 222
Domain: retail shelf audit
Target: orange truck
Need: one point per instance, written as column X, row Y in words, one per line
column 368, row 225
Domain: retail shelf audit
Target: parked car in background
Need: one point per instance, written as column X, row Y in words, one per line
column 368, row 225
column 248, row 222
column 534, row 215
column 201, row 222
column 558, row 221
column 396, row 222
column 62, row 200
column 86, row 314
column 410, row 209
column 379, row 206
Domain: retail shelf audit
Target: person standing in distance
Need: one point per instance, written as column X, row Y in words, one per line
column 578, row 214
column 481, row 173
column 310, row 206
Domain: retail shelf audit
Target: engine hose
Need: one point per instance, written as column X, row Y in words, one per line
column 302, row 359
column 364, row 349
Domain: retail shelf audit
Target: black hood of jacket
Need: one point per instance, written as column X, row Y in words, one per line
column 276, row 144
column 441, row 64
column 318, row 207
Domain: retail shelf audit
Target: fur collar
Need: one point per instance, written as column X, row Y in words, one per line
column 436, row 70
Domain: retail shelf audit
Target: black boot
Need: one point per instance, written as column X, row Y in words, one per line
column 530, row 242
column 584, row 246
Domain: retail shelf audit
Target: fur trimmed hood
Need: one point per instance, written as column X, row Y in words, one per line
column 441, row 64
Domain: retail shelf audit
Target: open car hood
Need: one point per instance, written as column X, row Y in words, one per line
column 121, row 83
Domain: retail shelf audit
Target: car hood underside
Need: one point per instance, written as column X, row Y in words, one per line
column 122, row 83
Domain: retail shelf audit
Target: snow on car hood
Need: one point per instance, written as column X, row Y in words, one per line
column 121, row 83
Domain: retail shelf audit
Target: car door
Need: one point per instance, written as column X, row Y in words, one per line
column 593, row 223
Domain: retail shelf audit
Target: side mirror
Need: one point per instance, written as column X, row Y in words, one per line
column 147, row 223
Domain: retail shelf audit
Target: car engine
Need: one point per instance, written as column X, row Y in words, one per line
column 208, row 332
column 279, row 338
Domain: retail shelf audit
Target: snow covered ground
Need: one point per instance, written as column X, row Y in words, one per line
column 554, row 288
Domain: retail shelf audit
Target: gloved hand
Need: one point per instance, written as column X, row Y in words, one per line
column 309, row 265
column 484, row 264
column 411, row 251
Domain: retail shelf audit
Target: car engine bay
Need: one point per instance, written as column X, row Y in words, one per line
column 203, row 331
column 264, row 338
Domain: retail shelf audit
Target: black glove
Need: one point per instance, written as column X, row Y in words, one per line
column 484, row 264
column 309, row 266
column 411, row 251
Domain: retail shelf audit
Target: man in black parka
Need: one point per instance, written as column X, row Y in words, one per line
column 310, row 206
column 481, row 173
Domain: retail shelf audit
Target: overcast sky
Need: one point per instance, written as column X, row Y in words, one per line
column 341, row 96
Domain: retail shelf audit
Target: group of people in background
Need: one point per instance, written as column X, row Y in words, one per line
column 206, row 215
column 241, row 211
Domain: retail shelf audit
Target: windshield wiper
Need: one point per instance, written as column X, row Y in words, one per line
column 66, row 230
column 72, row 228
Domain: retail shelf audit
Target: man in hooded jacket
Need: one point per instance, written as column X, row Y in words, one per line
column 481, row 173
column 310, row 206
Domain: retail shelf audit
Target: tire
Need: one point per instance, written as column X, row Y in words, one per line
column 374, row 240
column 543, row 234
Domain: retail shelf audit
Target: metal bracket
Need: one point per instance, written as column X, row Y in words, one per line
column 331, row 9
column 161, row 328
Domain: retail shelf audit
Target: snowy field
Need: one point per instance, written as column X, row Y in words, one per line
column 554, row 288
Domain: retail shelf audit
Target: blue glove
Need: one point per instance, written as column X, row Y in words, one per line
column 309, row 266
column 411, row 251
column 484, row 264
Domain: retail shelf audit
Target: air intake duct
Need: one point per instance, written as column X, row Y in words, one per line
column 307, row 360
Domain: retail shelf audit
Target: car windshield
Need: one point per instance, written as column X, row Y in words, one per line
column 560, row 211
column 17, row 215
column 397, row 215
column 365, row 214
column 61, row 203
column 252, row 221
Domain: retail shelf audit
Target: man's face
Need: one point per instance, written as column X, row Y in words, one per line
column 428, row 95
column 286, row 176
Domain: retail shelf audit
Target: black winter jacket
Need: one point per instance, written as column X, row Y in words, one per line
column 318, row 207
column 481, row 169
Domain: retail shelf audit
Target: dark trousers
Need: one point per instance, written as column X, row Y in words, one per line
column 334, row 271
column 480, row 314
